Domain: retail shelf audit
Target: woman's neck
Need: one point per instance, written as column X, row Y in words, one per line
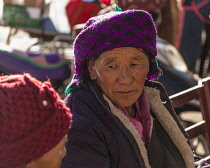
column 131, row 112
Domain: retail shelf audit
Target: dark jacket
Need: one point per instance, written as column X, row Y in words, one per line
column 102, row 137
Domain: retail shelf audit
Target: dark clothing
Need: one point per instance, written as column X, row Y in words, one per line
column 102, row 137
column 162, row 150
column 192, row 18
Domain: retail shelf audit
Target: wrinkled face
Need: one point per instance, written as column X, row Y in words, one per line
column 51, row 159
column 121, row 74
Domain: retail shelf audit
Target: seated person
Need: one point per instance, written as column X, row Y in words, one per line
column 121, row 118
column 33, row 123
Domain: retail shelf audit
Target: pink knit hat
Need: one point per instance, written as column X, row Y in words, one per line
column 33, row 119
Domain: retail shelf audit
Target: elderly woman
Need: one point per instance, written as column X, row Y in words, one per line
column 121, row 119
column 33, row 123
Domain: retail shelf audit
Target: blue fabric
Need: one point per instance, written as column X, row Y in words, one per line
column 48, row 25
column 190, row 44
column 90, row 1
column 10, row 64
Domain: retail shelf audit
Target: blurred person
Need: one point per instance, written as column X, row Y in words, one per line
column 33, row 123
column 79, row 11
column 121, row 117
column 192, row 20
column 168, row 27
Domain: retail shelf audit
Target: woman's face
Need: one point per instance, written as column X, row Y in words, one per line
column 51, row 159
column 121, row 74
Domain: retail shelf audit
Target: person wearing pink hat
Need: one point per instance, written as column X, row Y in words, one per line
column 33, row 123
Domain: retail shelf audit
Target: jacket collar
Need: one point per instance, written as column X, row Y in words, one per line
column 167, row 122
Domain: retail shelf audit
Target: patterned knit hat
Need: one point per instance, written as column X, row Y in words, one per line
column 33, row 119
column 131, row 28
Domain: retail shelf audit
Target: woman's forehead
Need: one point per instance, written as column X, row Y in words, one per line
column 123, row 51
column 133, row 49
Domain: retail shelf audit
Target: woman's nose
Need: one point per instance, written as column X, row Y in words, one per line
column 125, row 76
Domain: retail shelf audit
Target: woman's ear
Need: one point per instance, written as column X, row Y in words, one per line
column 91, row 68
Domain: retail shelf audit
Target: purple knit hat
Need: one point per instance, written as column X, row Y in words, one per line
column 131, row 28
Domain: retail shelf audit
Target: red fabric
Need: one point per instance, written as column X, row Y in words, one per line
column 33, row 119
column 106, row 2
column 79, row 11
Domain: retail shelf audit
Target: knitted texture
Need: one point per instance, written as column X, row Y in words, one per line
column 33, row 119
column 131, row 28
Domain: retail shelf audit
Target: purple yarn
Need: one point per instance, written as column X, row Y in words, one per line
column 131, row 28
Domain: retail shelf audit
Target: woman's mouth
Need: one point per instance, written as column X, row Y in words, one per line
column 124, row 92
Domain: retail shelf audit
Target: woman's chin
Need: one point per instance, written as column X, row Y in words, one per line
column 126, row 103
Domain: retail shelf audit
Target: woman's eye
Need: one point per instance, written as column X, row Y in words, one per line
column 111, row 66
column 134, row 64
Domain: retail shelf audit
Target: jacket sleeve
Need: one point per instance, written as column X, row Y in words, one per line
column 85, row 146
